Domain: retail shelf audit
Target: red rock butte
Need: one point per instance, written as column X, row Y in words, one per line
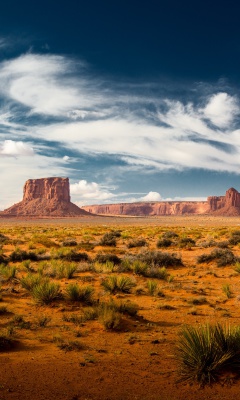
column 46, row 197
column 228, row 205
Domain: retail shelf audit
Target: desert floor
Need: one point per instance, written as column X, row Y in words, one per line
column 56, row 354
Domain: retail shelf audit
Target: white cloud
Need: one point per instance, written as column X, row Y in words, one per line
column 221, row 109
column 44, row 84
column 92, row 192
column 152, row 196
column 11, row 148
column 66, row 158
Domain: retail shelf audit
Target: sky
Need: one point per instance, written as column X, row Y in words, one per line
column 132, row 100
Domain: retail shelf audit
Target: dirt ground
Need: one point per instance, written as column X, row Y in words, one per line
column 137, row 361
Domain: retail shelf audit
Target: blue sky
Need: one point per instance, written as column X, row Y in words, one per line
column 132, row 100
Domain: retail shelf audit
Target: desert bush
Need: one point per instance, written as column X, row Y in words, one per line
column 169, row 235
column 234, row 238
column 46, row 292
column 109, row 239
column 141, row 242
column 74, row 292
column 69, row 242
column 223, row 245
column 186, row 242
column 160, row 259
column 73, row 256
column 3, row 238
column 21, row 255
column 158, row 273
column 123, row 307
column 164, row 242
column 103, row 258
column 207, row 351
column 222, row 256
column 120, row 283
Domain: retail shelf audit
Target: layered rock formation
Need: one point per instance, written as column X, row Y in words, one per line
column 46, row 197
column 228, row 205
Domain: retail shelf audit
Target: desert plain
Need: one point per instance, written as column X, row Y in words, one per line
column 113, row 342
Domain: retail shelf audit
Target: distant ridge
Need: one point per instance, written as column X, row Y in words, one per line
column 228, row 205
column 45, row 197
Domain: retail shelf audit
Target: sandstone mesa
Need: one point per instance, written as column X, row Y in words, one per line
column 50, row 197
column 228, row 205
column 46, row 197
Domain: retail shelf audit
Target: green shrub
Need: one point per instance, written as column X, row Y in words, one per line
column 46, row 292
column 207, row 351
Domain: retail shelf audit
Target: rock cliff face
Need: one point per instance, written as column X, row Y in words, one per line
column 47, row 188
column 46, row 197
column 228, row 205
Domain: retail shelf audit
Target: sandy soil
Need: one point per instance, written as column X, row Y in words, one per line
column 138, row 361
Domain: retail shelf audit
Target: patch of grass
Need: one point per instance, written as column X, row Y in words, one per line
column 29, row 281
column 68, row 345
column 8, row 272
column 120, row 283
column 46, row 292
column 42, row 320
column 207, row 351
column 227, row 290
column 109, row 318
column 74, row 292
column 139, row 268
column 152, row 287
